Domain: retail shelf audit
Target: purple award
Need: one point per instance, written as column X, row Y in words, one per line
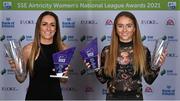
column 89, row 54
column 61, row 61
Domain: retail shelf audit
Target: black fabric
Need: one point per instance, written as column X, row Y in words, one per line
column 41, row 86
column 126, row 85
column 124, row 96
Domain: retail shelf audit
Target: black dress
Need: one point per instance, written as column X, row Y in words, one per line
column 125, row 85
column 41, row 86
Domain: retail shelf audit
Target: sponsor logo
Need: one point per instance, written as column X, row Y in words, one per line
column 172, row 38
column 149, row 38
column 27, row 22
column 69, row 38
column 68, row 89
column 68, row 23
column 7, row 5
column 153, row 38
column 3, row 71
column 148, row 90
column 106, row 38
column 171, row 72
column 28, row 38
column 22, row 38
column 170, row 21
column 172, row 5
column 168, row 72
column 143, row 38
column 109, row 22
column 168, row 91
column 172, row 55
column 9, row 37
column 8, row 23
column 149, row 22
column 88, row 22
column 163, row 72
column 9, row 89
column 7, row 71
column 2, row 37
column 86, row 37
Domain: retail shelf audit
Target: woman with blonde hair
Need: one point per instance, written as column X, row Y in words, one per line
column 126, row 60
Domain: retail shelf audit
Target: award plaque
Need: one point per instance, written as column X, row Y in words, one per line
column 61, row 61
column 14, row 52
column 160, row 45
column 89, row 54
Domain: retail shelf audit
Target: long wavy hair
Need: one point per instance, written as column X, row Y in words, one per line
column 36, row 43
column 139, row 59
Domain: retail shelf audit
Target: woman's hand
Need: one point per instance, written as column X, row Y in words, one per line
column 65, row 73
column 163, row 57
column 12, row 64
column 88, row 65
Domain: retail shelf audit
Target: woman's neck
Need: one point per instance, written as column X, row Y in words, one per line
column 125, row 41
column 46, row 42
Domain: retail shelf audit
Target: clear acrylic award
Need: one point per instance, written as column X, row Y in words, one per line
column 160, row 45
column 14, row 52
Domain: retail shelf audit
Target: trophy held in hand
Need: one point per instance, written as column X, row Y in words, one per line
column 14, row 52
column 61, row 61
column 89, row 54
column 160, row 46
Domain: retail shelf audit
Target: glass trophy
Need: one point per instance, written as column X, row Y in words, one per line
column 89, row 54
column 61, row 61
column 160, row 45
column 14, row 52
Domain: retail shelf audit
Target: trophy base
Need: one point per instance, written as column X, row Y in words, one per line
column 59, row 76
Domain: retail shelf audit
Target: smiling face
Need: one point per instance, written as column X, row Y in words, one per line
column 47, row 29
column 125, row 28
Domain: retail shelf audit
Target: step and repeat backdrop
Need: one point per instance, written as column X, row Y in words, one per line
column 80, row 22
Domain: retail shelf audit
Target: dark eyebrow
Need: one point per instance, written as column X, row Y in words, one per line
column 126, row 24
column 50, row 23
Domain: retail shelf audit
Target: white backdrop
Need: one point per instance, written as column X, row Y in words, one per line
column 77, row 29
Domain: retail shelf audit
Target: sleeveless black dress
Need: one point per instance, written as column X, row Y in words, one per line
column 41, row 86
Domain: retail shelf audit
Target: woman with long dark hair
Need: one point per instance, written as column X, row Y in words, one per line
column 38, row 59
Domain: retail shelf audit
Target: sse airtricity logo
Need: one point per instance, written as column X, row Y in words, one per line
column 172, row 5
column 7, row 5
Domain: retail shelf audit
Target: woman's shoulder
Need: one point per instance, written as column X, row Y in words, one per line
column 147, row 51
column 27, row 48
column 65, row 46
column 106, row 48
